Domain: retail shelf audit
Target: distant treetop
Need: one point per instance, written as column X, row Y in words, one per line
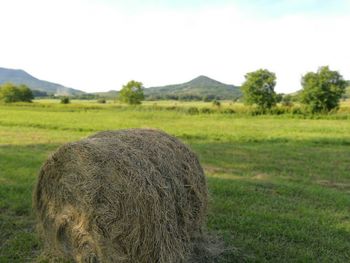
column 258, row 88
column 322, row 90
column 131, row 93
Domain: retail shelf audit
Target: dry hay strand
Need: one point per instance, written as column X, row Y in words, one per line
column 136, row 195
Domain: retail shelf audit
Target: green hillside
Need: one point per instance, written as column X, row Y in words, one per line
column 18, row 76
column 197, row 88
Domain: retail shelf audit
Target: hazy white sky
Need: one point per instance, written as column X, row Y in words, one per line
column 99, row 45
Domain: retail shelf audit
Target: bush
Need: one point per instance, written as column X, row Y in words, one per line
column 254, row 111
column 278, row 110
column 65, row 100
column 216, row 103
column 171, row 108
column 102, row 101
column 192, row 110
column 297, row 110
column 171, row 97
column 228, row 111
column 189, row 97
column 209, row 98
column 206, row 110
column 287, row 101
column 12, row 93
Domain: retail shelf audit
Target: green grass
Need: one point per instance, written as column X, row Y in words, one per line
column 280, row 186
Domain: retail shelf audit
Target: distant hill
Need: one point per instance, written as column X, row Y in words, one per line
column 18, row 76
column 199, row 87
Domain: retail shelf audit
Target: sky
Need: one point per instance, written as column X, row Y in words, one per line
column 99, row 45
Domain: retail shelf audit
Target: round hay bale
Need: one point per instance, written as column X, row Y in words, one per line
column 136, row 195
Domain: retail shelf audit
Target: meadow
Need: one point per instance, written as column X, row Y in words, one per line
column 279, row 184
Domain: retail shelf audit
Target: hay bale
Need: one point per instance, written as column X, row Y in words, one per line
column 136, row 195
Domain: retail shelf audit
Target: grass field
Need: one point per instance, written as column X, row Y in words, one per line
column 280, row 186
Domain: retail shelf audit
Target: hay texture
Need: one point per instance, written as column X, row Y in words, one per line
column 136, row 195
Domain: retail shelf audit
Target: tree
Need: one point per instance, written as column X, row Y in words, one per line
column 12, row 93
column 131, row 93
column 322, row 90
column 101, row 100
column 9, row 93
column 258, row 88
column 279, row 97
column 25, row 94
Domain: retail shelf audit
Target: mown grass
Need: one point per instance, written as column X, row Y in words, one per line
column 280, row 187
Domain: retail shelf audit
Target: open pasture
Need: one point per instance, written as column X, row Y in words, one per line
column 279, row 186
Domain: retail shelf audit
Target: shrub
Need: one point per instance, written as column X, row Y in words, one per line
column 254, row 111
column 206, row 110
column 208, row 98
column 287, row 101
column 192, row 110
column 101, row 100
column 171, row 108
column 65, row 100
column 278, row 110
column 228, row 111
column 13, row 93
column 216, row 103
column 190, row 97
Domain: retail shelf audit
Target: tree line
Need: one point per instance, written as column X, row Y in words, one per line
column 321, row 90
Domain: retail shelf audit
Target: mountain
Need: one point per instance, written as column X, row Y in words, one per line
column 18, row 76
column 200, row 87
